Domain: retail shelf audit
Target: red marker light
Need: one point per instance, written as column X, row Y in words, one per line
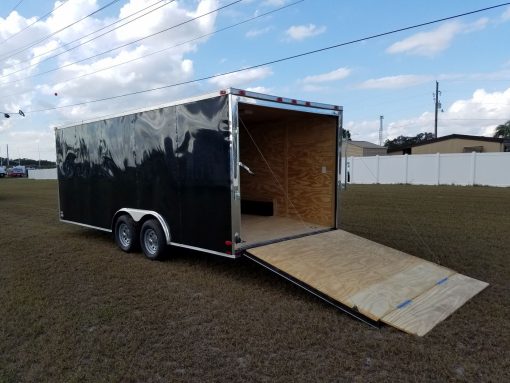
column 223, row 92
column 228, row 243
column 293, row 101
column 242, row 93
column 279, row 99
column 308, row 103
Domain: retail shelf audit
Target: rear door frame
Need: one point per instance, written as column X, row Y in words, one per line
column 234, row 101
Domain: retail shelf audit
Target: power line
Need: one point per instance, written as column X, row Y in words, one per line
column 123, row 45
column 36, row 21
column 15, row 7
column 288, row 58
column 88, row 34
column 170, row 47
column 58, row 31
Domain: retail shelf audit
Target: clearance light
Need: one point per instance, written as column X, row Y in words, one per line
column 242, row 93
column 223, row 92
column 279, row 99
column 293, row 101
column 308, row 103
column 228, row 243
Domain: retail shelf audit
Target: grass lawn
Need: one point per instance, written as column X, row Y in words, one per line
column 74, row 308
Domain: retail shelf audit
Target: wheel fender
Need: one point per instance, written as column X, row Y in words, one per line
column 139, row 214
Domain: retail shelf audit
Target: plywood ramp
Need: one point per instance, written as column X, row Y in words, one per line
column 377, row 281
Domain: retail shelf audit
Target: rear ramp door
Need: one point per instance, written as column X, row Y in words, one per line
column 381, row 283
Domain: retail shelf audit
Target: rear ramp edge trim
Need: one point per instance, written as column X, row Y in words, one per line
column 338, row 305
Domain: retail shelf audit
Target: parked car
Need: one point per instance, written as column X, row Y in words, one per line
column 3, row 172
column 18, row 171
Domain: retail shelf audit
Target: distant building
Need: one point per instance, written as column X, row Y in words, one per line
column 362, row 149
column 455, row 143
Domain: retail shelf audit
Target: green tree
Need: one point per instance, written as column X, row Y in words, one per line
column 408, row 140
column 503, row 130
column 346, row 135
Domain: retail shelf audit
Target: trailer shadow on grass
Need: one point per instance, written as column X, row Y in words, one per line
column 240, row 269
column 86, row 234
column 243, row 271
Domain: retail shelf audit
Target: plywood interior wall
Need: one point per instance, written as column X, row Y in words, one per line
column 293, row 157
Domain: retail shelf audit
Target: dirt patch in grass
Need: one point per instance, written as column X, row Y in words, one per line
column 75, row 308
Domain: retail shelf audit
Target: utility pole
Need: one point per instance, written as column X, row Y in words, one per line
column 437, row 106
column 380, row 129
column 7, row 155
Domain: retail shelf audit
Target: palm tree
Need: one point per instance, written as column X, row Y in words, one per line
column 503, row 130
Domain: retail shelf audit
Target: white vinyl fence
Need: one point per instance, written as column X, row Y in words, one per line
column 42, row 174
column 491, row 169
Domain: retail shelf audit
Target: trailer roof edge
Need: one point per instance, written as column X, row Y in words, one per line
column 233, row 91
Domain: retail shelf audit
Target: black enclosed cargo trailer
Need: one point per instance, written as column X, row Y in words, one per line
column 220, row 173
column 241, row 173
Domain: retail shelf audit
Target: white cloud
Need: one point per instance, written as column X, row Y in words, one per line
column 335, row 75
column 409, row 80
column 301, row 32
column 312, row 88
column 28, row 143
column 241, row 78
column 477, row 115
column 260, row 89
column 427, row 43
column 274, row 3
column 395, row 82
column 482, row 105
column 363, row 130
column 506, row 15
column 173, row 66
column 258, row 32
column 432, row 42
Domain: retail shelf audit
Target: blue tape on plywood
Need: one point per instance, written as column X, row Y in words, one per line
column 441, row 281
column 404, row 304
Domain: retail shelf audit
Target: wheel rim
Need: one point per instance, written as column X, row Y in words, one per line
column 150, row 239
column 124, row 235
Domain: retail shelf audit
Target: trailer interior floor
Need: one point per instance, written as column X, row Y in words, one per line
column 259, row 229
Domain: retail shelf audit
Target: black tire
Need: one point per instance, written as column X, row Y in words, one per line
column 126, row 235
column 152, row 239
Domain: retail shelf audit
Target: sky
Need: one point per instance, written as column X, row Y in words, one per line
column 57, row 54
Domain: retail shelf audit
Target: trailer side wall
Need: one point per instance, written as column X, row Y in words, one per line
column 173, row 160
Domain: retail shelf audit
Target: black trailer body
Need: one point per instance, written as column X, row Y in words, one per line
column 188, row 167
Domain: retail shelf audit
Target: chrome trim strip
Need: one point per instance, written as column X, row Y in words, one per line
column 138, row 214
column 85, row 225
column 235, row 195
column 338, row 175
column 232, row 256
column 60, row 213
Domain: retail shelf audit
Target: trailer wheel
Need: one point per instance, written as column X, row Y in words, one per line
column 125, row 233
column 152, row 239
